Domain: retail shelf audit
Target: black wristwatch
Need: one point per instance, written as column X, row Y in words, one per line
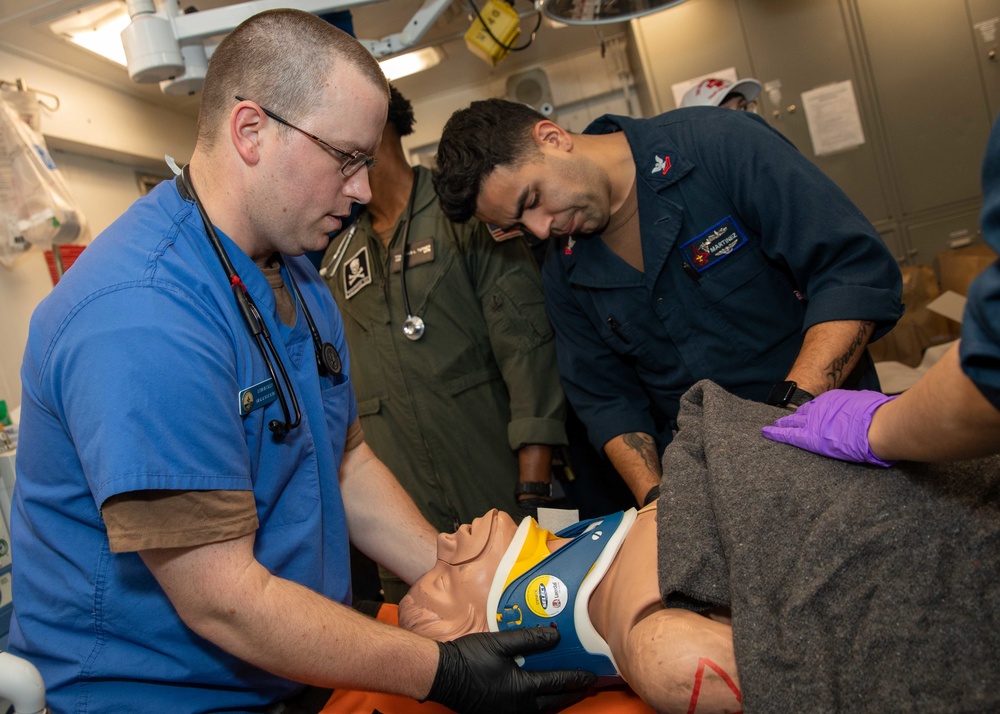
column 533, row 488
column 785, row 393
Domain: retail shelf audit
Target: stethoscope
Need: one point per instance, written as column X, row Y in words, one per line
column 413, row 325
column 327, row 359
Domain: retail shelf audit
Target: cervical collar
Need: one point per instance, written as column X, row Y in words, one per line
column 535, row 588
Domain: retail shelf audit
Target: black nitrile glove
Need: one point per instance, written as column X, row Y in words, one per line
column 477, row 673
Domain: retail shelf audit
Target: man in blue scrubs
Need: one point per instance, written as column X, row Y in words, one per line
column 953, row 411
column 699, row 244
column 182, row 506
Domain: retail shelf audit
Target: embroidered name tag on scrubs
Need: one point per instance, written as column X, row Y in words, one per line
column 357, row 273
column 416, row 254
column 257, row 396
column 715, row 244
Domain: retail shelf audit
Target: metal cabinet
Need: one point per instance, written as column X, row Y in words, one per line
column 925, row 75
column 801, row 46
column 929, row 237
column 984, row 16
column 930, row 97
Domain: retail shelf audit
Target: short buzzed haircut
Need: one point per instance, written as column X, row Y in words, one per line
column 475, row 141
column 282, row 59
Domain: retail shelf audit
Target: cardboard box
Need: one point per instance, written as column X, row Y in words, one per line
column 957, row 268
column 919, row 327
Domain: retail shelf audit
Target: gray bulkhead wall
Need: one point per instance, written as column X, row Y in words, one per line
column 925, row 74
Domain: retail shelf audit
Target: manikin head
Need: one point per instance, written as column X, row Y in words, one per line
column 449, row 600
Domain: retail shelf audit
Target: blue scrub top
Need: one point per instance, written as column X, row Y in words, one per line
column 980, row 345
column 746, row 245
column 132, row 375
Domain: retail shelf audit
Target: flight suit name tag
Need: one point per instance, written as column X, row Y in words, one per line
column 257, row 396
column 416, row 254
column 715, row 244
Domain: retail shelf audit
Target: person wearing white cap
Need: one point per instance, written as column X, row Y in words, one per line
column 717, row 92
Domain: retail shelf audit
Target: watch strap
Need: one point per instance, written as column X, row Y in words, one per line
column 788, row 392
column 800, row 397
column 533, row 488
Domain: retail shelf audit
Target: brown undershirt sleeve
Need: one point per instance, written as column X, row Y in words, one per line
column 141, row 520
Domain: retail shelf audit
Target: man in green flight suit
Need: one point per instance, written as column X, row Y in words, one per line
column 466, row 407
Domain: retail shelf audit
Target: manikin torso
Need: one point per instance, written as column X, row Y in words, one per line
column 629, row 591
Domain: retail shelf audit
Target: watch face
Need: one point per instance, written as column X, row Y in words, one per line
column 781, row 393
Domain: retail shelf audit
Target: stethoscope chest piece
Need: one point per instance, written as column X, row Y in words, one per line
column 413, row 327
column 330, row 359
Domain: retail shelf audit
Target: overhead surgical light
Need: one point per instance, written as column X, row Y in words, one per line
column 411, row 62
column 599, row 12
column 164, row 45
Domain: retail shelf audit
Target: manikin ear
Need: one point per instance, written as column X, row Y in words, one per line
column 548, row 134
column 245, row 124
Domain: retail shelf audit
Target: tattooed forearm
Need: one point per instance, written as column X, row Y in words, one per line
column 839, row 368
column 645, row 447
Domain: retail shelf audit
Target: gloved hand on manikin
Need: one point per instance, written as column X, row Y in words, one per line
column 834, row 424
column 477, row 673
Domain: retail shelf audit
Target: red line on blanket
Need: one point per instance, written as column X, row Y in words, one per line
column 696, row 690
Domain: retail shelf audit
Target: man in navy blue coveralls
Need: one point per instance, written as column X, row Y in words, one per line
column 699, row 244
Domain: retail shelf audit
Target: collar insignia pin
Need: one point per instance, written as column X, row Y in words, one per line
column 662, row 166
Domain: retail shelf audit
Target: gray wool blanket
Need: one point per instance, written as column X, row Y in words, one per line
column 853, row 588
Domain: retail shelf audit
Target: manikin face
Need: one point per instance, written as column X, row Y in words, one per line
column 556, row 193
column 449, row 600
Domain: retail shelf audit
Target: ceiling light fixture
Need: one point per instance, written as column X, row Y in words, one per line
column 411, row 62
column 97, row 28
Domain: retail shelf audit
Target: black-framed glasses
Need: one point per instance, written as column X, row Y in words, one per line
column 353, row 160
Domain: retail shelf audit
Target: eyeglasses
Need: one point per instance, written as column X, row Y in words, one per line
column 353, row 160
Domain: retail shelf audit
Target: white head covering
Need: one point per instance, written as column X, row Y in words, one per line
column 710, row 92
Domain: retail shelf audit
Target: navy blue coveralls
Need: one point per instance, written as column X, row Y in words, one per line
column 746, row 245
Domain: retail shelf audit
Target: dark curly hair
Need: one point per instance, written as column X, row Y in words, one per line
column 400, row 112
column 490, row 133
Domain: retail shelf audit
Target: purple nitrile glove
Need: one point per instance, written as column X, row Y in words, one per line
column 834, row 424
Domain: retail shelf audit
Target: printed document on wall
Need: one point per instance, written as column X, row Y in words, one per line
column 833, row 119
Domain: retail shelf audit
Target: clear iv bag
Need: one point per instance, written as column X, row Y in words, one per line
column 36, row 207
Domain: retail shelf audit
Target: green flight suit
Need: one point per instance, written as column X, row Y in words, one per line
column 448, row 412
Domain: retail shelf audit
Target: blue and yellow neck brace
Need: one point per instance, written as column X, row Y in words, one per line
column 533, row 587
